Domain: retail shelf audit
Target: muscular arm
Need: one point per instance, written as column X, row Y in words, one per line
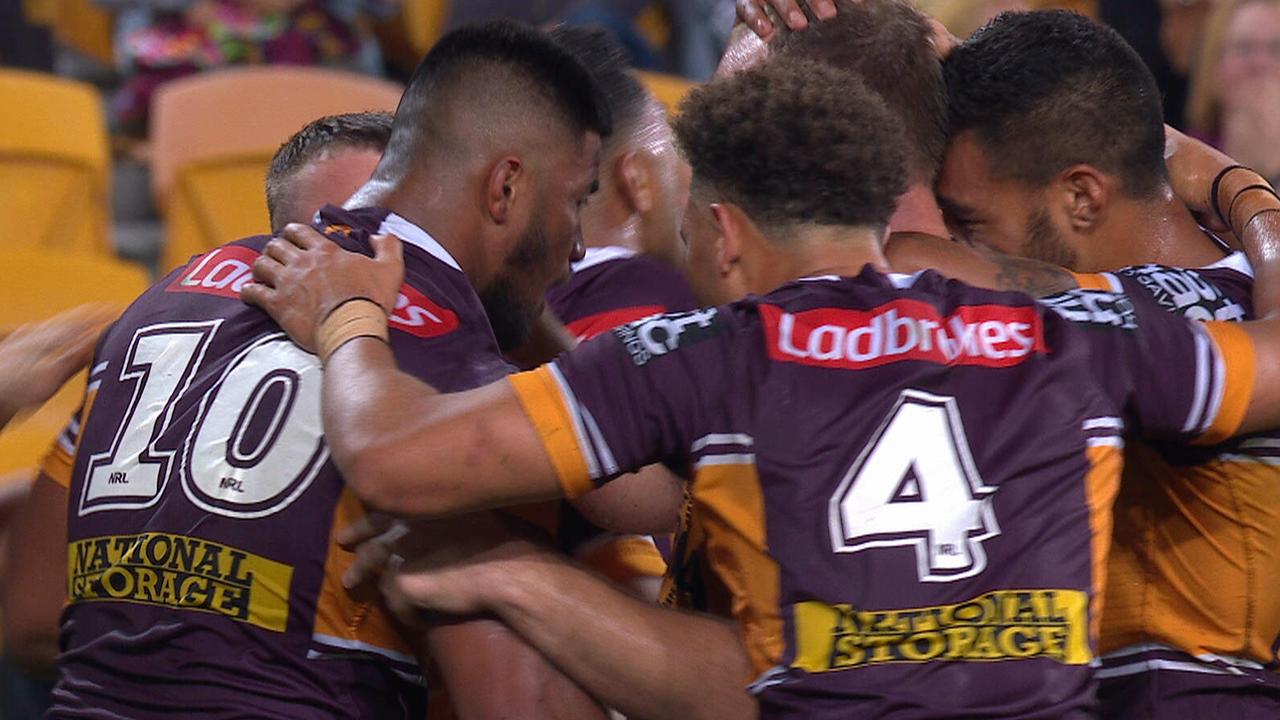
column 644, row 660
column 647, row 662
column 490, row 673
column 406, row 449
column 913, row 252
column 37, row 553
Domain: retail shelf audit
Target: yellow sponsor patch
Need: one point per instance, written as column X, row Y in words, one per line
column 1002, row 625
column 180, row 572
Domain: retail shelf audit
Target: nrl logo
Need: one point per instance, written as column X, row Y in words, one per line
column 662, row 334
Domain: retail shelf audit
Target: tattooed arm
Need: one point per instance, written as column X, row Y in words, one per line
column 913, row 252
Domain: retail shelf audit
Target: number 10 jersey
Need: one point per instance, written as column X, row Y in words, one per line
column 203, row 579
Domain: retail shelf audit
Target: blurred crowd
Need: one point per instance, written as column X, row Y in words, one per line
column 1216, row 60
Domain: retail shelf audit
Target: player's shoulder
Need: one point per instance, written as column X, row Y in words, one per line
column 617, row 276
column 1220, row 291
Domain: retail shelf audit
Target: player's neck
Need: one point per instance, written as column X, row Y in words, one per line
column 818, row 251
column 1161, row 231
column 434, row 212
column 918, row 212
column 618, row 230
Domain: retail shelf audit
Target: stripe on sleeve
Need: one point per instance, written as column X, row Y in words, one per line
column 540, row 395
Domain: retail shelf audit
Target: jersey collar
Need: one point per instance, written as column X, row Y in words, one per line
column 400, row 227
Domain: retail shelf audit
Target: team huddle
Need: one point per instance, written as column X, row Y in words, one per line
column 929, row 379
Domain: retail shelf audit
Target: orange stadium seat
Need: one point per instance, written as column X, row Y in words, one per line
column 54, row 164
column 213, row 135
column 36, row 284
column 669, row 89
column 423, row 22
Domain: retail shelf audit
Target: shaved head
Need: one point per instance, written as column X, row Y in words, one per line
column 490, row 89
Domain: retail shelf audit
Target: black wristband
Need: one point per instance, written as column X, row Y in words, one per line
column 1213, row 192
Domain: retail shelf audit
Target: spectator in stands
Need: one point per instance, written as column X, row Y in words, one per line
column 160, row 40
column 1235, row 91
column 324, row 162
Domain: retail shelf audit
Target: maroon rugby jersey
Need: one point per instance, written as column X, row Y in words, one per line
column 612, row 286
column 905, row 482
column 203, row 576
column 1191, row 619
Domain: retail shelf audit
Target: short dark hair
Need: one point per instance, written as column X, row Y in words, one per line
column 889, row 44
column 1043, row 91
column 360, row 131
column 794, row 141
column 599, row 51
column 465, row 60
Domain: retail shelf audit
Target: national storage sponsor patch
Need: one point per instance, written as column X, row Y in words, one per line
column 180, row 572
column 1002, row 625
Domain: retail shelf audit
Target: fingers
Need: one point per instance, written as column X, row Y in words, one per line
column 366, row 528
column 791, row 13
column 371, row 557
column 267, row 271
column 387, row 249
column 262, row 296
column 824, row 9
column 303, row 236
column 755, row 18
column 282, row 251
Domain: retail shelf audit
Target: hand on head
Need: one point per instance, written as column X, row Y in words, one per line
column 759, row 15
column 302, row 276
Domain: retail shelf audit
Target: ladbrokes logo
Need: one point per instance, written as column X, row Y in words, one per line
column 987, row 335
column 223, row 272
column 655, row 337
column 1002, row 625
column 417, row 315
column 180, row 572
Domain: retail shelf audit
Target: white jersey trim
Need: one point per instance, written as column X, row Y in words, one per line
column 601, row 255
column 416, row 236
column 1237, row 261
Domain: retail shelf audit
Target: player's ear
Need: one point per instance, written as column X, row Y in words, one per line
column 1084, row 192
column 634, row 178
column 507, row 184
column 732, row 227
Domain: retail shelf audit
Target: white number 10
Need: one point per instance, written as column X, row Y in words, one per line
column 256, row 440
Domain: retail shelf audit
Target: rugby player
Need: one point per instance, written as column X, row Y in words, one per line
column 631, row 228
column 903, row 479
column 203, row 581
column 1189, row 625
column 324, row 163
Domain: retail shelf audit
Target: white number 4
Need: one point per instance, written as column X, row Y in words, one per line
column 915, row 485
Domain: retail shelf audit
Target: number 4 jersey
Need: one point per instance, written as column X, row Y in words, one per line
column 203, row 578
column 905, row 483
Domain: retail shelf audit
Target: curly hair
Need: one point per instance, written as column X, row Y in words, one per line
column 1043, row 91
column 795, row 141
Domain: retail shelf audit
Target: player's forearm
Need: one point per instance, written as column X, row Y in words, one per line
column 913, row 252
column 490, row 672
column 37, row 544
column 647, row 662
column 1261, row 240
column 406, row 449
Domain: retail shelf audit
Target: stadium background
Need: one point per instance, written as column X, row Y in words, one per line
column 118, row 140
